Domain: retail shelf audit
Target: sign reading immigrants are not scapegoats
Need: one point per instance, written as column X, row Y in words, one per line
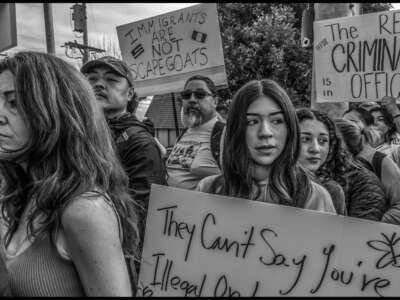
column 165, row 50
column 357, row 58
column 198, row 244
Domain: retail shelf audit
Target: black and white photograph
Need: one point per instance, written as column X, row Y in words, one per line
column 239, row 149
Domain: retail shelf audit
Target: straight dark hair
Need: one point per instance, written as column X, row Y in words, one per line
column 288, row 182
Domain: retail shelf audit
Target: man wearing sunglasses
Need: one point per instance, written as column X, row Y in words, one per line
column 196, row 152
column 112, row 82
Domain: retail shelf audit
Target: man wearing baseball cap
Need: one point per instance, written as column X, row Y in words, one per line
column 139, row 153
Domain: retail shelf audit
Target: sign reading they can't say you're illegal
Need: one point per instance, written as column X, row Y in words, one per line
column 198, row 244
column 165, row 50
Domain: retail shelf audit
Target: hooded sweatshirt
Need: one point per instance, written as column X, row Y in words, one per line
column 140, row 158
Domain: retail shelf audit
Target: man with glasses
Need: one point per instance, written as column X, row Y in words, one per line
column 196, row 153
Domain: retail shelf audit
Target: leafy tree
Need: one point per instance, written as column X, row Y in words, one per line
column 367, row 7
column 262, row 40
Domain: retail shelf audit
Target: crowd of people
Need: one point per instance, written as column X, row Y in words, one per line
column 77, row 166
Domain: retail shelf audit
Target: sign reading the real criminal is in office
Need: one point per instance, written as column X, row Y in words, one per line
column 357, row 58
column 165, row 50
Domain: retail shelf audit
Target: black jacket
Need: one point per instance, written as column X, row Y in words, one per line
column 140, row 157
column 365, row 195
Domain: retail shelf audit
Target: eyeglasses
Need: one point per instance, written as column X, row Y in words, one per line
column 199, row 94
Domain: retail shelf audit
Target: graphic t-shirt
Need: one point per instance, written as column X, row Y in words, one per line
column 191, row 158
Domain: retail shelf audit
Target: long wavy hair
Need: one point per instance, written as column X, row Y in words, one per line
column 69, row 150
column 288, row 182
column 337, row 163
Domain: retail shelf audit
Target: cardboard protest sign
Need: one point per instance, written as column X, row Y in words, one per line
column 165, row 50
column 357, row 58
column 198, row 244
column 8, row 26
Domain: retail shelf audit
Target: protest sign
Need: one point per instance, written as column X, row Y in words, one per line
column 357, row 58
column 8, row 26
column 165, row 50
column 198, row 244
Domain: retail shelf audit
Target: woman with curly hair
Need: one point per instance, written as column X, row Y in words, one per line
column 261, row 151
column 318, row 147
column 70, row 222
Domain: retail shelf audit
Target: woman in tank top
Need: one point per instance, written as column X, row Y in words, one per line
column 261, row 150
column 70, row 225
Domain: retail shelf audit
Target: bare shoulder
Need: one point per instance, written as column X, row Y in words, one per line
column 88, row 210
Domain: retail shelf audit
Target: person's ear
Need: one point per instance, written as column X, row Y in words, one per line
column 131, row 93
column 215, row 102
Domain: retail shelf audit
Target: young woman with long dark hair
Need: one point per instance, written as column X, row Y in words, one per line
column 261, row 151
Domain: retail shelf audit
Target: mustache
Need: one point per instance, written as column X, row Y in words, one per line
column 193, row 108
column 191, row 118
column 100, row 92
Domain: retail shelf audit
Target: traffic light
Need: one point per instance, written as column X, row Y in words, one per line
column 78, row 16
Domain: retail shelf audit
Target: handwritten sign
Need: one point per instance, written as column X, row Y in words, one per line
column 198, row 244
column 165, row 50
column 357, row 58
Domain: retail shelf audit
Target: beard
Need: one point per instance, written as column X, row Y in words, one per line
column 191, row 118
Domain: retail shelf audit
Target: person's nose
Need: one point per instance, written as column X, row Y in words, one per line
column 192, row 99
column 3, row 116
column 98, row 83
column 3, row 119
column 314, row 147
column 265, row 129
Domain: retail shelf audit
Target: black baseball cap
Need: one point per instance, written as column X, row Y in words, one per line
column 115, row 64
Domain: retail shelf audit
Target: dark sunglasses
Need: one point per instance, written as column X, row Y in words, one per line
column 199, row 94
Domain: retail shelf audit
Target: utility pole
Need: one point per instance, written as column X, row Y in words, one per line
column 85, row 36
column 80, row 25
column 48, row 24
column 324, row 11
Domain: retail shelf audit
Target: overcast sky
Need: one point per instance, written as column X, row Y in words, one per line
column 102, row 20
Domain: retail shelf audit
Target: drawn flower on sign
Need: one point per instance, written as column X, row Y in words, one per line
column 388, row 247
